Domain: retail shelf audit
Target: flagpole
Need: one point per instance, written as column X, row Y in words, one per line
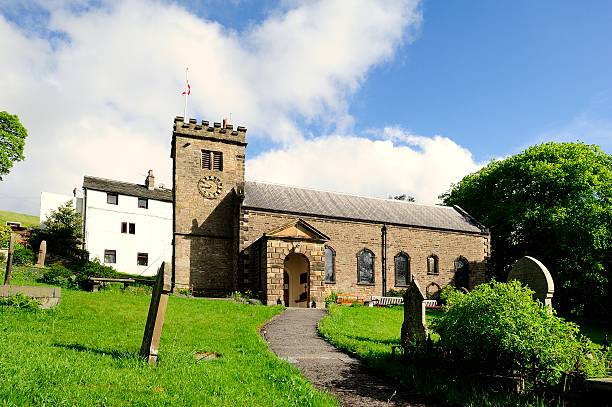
column 185, row 119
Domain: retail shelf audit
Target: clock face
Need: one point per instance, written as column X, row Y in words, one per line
column 210, row 187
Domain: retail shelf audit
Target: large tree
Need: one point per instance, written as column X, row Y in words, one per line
column 12, row 141
column 63, row 231
column 554, row 202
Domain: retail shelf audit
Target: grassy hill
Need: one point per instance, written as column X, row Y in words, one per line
column 25, row 220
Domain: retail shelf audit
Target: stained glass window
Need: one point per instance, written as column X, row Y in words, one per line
column 365, row 266
column 402, row 269
column 432, row 265
column 330, row 265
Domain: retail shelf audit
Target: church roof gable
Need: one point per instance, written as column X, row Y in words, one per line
column 302, row 201
column 298, row 229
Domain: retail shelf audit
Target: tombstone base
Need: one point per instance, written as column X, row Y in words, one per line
column 48, row 296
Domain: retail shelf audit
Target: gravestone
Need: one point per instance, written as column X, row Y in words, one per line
column 532, row 273
column 414, row 328
column 42, row 254
column 9, row 260
column 157, row 313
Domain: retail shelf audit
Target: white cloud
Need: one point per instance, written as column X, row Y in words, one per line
column 102, row 103
column 399, row 163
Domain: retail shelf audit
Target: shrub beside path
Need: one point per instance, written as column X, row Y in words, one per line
column 293, row 336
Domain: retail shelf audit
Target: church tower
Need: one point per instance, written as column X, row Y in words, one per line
column 208, row 167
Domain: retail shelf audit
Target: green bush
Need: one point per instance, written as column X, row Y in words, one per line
column 59, row 275
column 77, row 276
column 19, row 301
column 94, row 268
column 499, row 328
column 395, row 293
column 5, row 235
column 23, row 255
column 331, row 299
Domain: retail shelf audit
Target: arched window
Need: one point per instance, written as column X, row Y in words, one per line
column 432, row 265
column 330, row 265
column 402, row 269
column 365, row 267
column 462, row 273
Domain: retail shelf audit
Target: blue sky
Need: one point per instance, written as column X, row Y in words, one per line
column 368, row 97
column 498, row 76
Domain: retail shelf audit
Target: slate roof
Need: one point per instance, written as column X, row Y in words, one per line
column 302, row 201
column 127, row 188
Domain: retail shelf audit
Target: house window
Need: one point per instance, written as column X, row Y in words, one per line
column 143, row 203
column 402, row 269
column 212, row 160
column 365, row 267
column 124, row 227
column 110, row 256
column 432, row 264
column 112, row 199
column 142, row 259
column 132, row 228
column 330, row 265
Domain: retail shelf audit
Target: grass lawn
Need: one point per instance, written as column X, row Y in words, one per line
column 369, row 334
column 25, row 220
column 84, row 352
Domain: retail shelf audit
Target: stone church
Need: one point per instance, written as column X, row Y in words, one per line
column 295, row 245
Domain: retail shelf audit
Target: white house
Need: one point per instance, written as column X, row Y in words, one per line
column 127, row 226
column 50, row 201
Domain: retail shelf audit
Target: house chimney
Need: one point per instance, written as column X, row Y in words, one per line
column 150, row 181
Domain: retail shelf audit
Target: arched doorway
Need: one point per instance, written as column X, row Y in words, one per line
column 462, row 273
column 296, row 284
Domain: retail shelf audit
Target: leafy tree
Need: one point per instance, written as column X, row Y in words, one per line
column 554, row 202
column 403, row 197
column 5, row 235
column 63, row 231
column 12, row 141
column 499, row 328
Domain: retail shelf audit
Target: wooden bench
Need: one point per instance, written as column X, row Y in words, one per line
column 96, row 282
column 384, row 301
column 348, row 299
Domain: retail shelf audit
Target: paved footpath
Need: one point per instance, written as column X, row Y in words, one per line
column 293, row 336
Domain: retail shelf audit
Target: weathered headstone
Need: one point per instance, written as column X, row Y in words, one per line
column 157, row 313
column 9, row 260
column 42, row 254
column 414, row 328
column 532, row 273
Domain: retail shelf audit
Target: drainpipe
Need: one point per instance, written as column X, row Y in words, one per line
column 383, row 233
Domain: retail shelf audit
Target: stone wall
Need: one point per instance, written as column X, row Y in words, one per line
column 347, row 238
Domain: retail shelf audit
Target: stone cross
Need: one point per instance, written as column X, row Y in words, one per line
column 42, row 254
column 157, row 313
column 414, row 328
column 9, row 260
column 532, row 273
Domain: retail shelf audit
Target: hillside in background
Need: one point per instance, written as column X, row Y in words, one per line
column 25, row 220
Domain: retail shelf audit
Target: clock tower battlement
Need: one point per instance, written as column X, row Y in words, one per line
column 208, row 165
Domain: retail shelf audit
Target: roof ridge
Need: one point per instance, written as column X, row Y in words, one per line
column 352, row 195
column 159, row 188
column 113, row 180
